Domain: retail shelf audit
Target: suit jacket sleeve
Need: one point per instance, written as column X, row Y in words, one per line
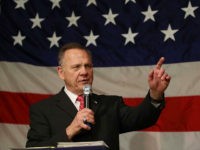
column 139, row 117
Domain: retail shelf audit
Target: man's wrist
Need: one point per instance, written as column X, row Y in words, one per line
column 69, row 134
column 157, row 96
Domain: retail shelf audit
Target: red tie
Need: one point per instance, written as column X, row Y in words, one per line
column 80, row 98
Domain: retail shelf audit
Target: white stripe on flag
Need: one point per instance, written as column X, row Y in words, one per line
column 14, row 136
column 124, row 81
column 160, row 141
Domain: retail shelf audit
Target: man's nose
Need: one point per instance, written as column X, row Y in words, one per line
column 84, row 70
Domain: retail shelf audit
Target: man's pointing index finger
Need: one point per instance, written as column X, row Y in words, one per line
column 160, row 62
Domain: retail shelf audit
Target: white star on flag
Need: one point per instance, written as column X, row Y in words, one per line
column 91, row 39
column 18, row 38
column 20, row 3
column 110, row 17
column 72, row 20
column 130, row 36
column 189, row 10
column 55, row 3
column 36, row 21
column 91, row 2
column 169, row 33
column 54, row 40
column 149, row 14
column 126, row 1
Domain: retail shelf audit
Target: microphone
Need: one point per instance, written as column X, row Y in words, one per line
column 86, row 92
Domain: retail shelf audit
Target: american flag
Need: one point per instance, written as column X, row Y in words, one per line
column 126, row 38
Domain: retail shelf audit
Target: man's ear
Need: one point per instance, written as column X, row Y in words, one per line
column 60, row 72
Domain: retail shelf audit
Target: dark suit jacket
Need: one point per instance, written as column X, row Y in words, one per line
column 49, row 119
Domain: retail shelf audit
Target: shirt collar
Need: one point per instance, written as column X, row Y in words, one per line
column 71, row 95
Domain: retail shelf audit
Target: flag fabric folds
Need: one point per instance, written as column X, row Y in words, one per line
column 126, row 38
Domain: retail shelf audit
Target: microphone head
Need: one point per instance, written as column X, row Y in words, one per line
column 86, row 89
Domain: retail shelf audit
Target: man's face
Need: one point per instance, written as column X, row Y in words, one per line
column 76, row 70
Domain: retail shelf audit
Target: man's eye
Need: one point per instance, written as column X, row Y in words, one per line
column 88, row 66
column 76, row 67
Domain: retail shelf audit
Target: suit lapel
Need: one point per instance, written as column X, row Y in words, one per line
column 64, row 103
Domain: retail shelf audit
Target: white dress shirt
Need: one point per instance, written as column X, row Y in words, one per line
column 72, row 97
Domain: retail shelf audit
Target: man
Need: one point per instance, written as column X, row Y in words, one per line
column 59, row 119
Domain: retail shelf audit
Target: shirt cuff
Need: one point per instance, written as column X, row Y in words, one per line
column 158, row 103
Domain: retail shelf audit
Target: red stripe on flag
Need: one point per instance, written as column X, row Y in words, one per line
column 14, row 107
column 180, row 113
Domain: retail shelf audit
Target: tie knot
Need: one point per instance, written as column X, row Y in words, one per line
column 80, row 98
